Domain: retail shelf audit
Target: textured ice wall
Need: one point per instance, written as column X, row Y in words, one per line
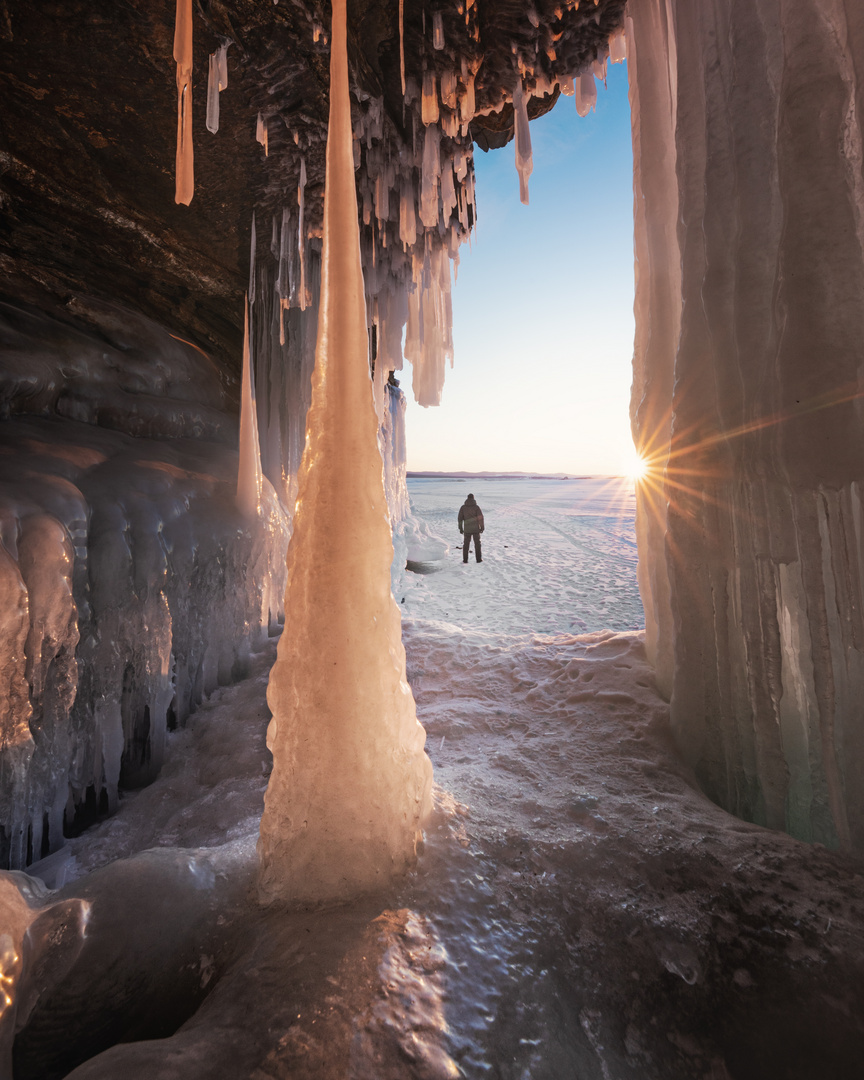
column 749, row 206
column 129, row 584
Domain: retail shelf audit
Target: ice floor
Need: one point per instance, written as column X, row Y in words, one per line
column 579, row 911
column 559, row 556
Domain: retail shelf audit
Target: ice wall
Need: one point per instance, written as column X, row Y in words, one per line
column 747, row 396
column 350, row 783
column 130, row 584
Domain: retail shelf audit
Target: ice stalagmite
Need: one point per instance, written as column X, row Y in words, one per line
column 350, row 782
column 524, row 162
column 249, row 481
column 184, row 183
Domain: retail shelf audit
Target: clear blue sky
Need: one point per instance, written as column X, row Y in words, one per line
column 543, row 307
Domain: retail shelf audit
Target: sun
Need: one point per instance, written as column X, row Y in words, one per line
column 636, row 467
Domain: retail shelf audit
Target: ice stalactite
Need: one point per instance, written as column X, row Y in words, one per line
column 301, row 231
column 586, row 92
column 618, row 46
column 402, row 44
column 747, row 398
column 212, row 119
column 522, row 141
column 217, row 81
column 430, row 98
column 351, row 782
column 253, row 248
column 184, row 173
column 261, row 133
column 437, row 30
column 249, row 471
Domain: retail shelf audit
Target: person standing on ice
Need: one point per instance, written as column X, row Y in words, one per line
column 470, row 524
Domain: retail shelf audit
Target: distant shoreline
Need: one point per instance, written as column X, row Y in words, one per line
column 511, row 476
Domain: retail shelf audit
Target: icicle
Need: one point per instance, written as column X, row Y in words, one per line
column 222, row 66
column 429, row 101
column 252, row 250
column 351, row 784
column 437, row 30
column 213, row 94
column 524, row 162
column 618, row 47
column 382, row 197
column 261, row 132
column 282, row 280
column 566, row 84
column 301, row 238
column 184, row 170
column 448, row 89
column 402, row 44
column 586, row 93
column 599, row 69
column 450, row 124
column 407, row 219
column 467, row 103
column 249, row 482
column 533, row 17
column 430, row 174
column 448, row 191
column 274, row 240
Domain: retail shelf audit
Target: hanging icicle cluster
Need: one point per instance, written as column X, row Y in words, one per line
column 415, row 188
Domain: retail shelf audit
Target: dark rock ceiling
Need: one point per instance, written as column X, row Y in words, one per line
column 88, row 128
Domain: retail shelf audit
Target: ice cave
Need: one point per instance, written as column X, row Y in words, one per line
column 267, row 808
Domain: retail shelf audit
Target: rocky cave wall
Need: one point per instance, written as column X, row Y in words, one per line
column 747, row 396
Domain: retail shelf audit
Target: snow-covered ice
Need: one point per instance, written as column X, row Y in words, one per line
column 559, row 556
column 579, row 910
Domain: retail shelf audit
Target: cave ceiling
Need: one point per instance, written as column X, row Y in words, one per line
column 88, row 129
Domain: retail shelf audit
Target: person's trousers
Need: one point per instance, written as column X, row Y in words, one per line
column 466, row 544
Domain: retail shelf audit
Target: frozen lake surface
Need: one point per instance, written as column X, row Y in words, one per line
column 559, row 556
column 580, row 910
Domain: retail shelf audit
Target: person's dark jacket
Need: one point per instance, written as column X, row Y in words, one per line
column 470, row 517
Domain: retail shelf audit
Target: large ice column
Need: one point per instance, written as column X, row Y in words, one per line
column 748, row 393
column 350, row 782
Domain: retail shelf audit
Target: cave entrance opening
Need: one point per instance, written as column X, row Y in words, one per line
column 543, row 307
column 543, row 332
